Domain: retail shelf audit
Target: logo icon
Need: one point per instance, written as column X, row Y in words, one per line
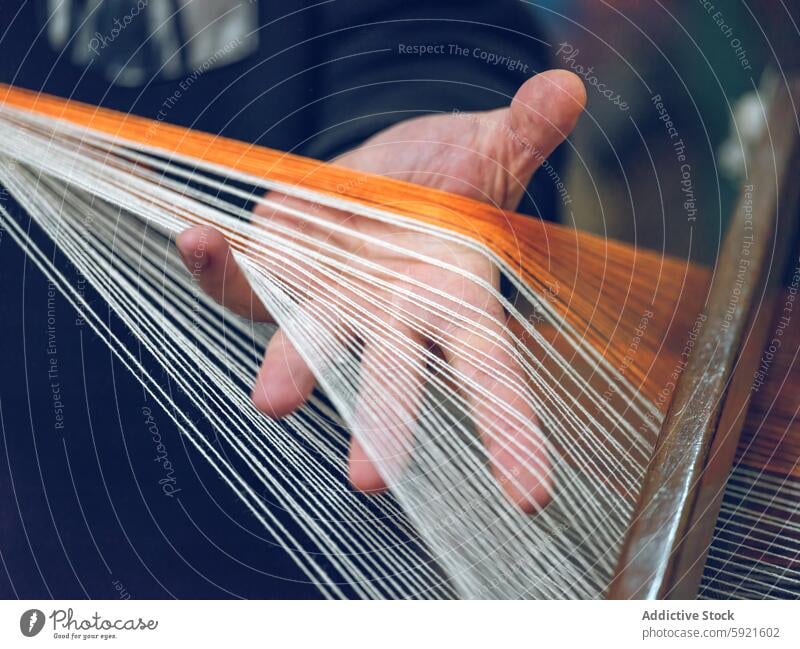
column 31, row 622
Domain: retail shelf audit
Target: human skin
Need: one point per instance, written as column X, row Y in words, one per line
column 488, row 156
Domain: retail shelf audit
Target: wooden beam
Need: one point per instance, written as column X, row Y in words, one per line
column 665, row 549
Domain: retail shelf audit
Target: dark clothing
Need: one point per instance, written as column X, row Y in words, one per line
column 323, row 79
column 82, row 510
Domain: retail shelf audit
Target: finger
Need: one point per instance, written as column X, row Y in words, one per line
column 284, row 381
column 363, row 471
column 208, row 257
column 542, row 114
column 385, row 415
column 506, row 421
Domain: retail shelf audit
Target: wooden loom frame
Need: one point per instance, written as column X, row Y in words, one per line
column 664, row 550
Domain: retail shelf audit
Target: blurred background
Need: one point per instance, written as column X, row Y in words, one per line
column 695, row 63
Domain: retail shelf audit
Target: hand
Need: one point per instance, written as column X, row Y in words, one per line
column 488, row 156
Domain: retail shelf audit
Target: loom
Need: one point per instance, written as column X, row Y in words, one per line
column 596, row 431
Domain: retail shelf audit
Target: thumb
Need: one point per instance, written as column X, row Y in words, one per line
column 542, row 114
